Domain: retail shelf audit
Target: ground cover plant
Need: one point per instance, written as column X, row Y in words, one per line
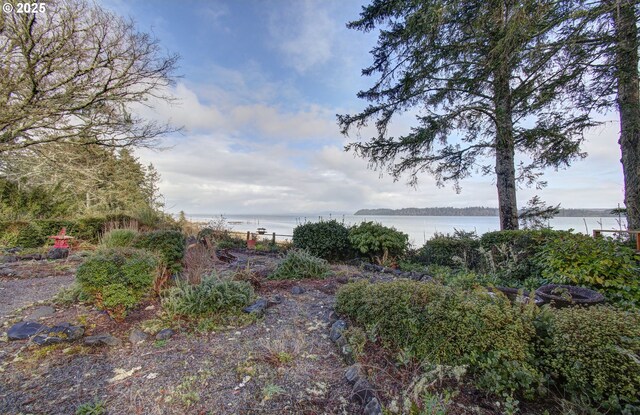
column 209, row 297
column 591, row 355
column 325, row 239
column 435, row 324
column 299, row 264
column 117, row 279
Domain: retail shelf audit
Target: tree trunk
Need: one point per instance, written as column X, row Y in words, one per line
column 628, row 105
column 505, row 151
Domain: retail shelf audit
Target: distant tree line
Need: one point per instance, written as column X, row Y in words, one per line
column 473, row 211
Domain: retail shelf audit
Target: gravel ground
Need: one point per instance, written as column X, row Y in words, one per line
column 284, row 363
column 22, row 284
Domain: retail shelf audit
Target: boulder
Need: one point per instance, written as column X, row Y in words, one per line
column 362, row 392
column 256, row 308
column 25, row 329
column 102, row 340
column 373, row 407
column 165, row 334
column 297, row 290
column 58, row 253
column 336, row 329
column 138, row 336
column 353, row 373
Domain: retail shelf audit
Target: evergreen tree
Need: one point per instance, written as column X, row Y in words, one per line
column 493, row 71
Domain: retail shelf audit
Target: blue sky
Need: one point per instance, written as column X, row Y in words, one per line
column 261, row 82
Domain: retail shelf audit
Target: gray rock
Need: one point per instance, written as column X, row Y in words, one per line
column 353, row 373
column 297, row 290
column 25, row 329
column 362, row 392
column 138, row 336
column 373, row 407
column 8, row 258
column 46, row 340
column 336, row 329
column 102, row 340
column 40, row 312
column 66, row 331
column 257, row 308
column 275, row 300
column 165, row 334
column 58, row 253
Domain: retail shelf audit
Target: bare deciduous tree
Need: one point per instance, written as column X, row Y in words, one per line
column 72, row 74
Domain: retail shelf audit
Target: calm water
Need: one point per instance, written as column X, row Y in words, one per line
column 419, row 228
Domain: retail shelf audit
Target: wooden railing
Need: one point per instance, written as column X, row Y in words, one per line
column 598, row 233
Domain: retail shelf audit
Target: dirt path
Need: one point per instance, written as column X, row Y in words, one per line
column 22, row 284
column 282, row 364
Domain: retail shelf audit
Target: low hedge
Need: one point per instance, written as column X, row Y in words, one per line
column 299, row 264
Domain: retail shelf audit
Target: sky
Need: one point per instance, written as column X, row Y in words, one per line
column 260, row 84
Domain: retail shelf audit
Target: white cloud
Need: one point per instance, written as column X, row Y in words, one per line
column 304, row 33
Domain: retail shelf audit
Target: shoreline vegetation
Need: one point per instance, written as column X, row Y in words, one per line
column 474, row 211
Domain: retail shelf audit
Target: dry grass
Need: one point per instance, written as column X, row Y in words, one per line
column 199, row 261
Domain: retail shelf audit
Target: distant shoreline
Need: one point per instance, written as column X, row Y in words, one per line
column 475, row 211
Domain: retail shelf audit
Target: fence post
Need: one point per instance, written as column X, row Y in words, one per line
column 596, row 233
column 248, row 235
column 273, row 238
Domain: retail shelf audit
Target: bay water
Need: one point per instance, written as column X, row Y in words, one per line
column 419, row 228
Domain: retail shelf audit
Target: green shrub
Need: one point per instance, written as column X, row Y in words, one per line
column 380, row 243
column 118, row 278
column 457, row 250
column 592, row 355
column 169, row 245
column 232, row 243
column 595, row 263
column 119, row 238
column 510, row 254
column 51, row 227
column 211, row 296
column 436, row 324
column 90, row 229
column 31, row 236
column 300, row 264
column 325, row 239
column 10, row 231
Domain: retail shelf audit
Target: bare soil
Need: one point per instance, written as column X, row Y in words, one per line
column 283, row 363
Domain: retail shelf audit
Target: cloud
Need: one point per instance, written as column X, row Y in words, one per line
column 304, row 33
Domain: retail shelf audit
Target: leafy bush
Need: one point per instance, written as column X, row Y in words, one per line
column 595, row 263
column 325, row 239
column 300, row 264
column 31, row 236
column 439, row 325
column 592, row 355
column 118, row 278
column 459, row 249
column 382, row 244
column 119, row 238
column 211, row 296
column 168, row 244
column 231, row 243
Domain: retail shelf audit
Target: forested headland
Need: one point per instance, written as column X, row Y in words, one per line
column 474, row 211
